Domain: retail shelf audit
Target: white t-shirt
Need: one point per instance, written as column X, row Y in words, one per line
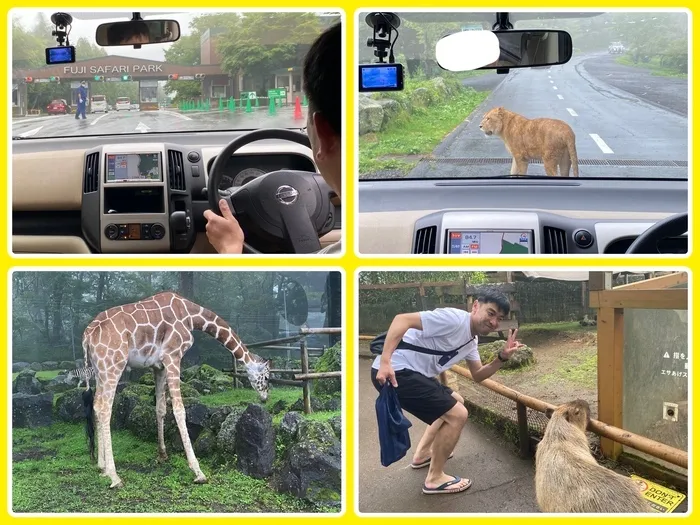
column 444, row 329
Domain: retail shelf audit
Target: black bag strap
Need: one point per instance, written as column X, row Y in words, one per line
column 376, row 346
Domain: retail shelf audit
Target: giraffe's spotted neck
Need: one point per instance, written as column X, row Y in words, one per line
column 207, row 321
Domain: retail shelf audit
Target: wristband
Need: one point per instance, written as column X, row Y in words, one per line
column 500, row 358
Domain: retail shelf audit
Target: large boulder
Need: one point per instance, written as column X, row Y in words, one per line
column 371, row 115
column 70, row 407
column 26, row 383
column 312, row 466
column 255, row 442
column 32, row 411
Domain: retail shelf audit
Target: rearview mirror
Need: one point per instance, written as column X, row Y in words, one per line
column 469, row 50
column 137, row 32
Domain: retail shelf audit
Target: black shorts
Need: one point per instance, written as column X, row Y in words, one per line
column 424, row 397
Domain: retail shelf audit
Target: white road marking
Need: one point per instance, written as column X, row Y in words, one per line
column 98, row 119
column 561, row 97
column 174, row 114
column 601, row 144
column 142, row 127
column 572, row 112
column 555, row 87
column 31, row 132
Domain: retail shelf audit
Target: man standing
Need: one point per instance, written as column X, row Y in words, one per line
column 413, row 375
column 82, row 100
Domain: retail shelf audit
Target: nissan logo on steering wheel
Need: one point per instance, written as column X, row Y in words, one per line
column 287, row 195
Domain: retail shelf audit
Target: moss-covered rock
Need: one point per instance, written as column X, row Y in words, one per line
column 26, row 383
column 142, row 422
column 312, row 466
column 523, row 357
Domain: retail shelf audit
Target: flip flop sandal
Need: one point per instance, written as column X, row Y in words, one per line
column 443, row 489
column 426, row 463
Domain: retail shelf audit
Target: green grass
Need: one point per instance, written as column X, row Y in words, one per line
column 247, row 395
column 52, row 472
column 580, row 369
column 415, row 134
column 652, row 66
column 57, row 476
column 44, row 374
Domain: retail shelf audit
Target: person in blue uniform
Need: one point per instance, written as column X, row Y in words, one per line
column 82, row 100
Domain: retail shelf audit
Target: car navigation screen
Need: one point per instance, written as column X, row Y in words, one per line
column 133, row 167
column 489, row 242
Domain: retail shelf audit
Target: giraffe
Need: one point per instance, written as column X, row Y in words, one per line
column 154, row 333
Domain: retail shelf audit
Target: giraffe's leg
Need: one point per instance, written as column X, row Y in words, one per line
column 98, row 410
column 109, row 389
column 161, row 409
column 173, row 377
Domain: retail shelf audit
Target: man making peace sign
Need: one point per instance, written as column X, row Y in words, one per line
column 413, row 375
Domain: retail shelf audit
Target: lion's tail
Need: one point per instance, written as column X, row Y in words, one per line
column 573, row 155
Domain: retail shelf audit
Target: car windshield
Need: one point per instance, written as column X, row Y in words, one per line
column 227, row 71
column 624, row 93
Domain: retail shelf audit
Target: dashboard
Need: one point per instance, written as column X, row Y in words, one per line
column 516, row 216
column 131, row 196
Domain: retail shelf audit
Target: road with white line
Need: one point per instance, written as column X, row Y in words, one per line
column 621, row 130
column 113, row 123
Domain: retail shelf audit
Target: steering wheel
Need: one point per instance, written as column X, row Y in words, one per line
column 672, row 226
column 282, row 211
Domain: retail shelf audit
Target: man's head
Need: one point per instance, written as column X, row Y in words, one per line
column 489, row 309
column 83, row 83
column 322, row 85
column 129, row 34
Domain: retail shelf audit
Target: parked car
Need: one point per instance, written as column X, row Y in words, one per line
column 58, row 106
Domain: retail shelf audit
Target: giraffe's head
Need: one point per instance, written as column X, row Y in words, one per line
column 258, row 371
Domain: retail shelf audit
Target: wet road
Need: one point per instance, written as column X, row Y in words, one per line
column 152, row 121
column 627, row 122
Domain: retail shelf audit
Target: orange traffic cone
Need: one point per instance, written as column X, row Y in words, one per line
column 297, row 109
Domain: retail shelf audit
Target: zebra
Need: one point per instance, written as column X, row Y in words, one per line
column 84, row 374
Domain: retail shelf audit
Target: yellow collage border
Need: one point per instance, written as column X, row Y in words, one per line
column 349, row 262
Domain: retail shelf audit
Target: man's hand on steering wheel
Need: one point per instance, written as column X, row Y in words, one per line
column 224, row 232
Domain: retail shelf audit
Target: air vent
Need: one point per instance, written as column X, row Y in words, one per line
column 426, row 239
column 176, row 170
column 91, row 176
column 554, row 240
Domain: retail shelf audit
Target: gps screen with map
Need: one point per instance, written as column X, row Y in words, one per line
column 133, row 167
column 489, row 242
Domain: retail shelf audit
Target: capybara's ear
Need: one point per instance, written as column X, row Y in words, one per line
column 549, row 413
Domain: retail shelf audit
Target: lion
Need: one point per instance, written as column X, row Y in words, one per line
column 567, row 476
column 550, row 140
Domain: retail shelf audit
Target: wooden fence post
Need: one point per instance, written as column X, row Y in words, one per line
column 305, row 370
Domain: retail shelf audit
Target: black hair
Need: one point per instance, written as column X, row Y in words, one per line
column 495, row 296
column 122, row 32
column 322, row 72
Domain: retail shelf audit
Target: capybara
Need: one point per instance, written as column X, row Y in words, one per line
column 567, row 476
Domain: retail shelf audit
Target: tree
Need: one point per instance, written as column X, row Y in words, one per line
column 265, row 42
column 187, row 51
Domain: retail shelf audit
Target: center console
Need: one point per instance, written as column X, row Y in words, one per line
column 141, row 198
